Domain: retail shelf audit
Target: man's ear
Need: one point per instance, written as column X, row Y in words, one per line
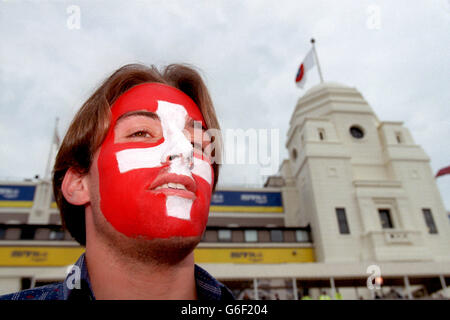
column 75, row 187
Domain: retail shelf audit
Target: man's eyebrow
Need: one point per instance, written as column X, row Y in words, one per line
column 137, row 113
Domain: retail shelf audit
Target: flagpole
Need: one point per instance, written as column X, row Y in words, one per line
column 50, row 155
column 317, row 60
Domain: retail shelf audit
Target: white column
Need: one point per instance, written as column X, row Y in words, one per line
column 294, row 287
column 407, row 287
column 443, row 284
column 357, row 293
column 40, row 212
column 333, row 288
column 255, row 288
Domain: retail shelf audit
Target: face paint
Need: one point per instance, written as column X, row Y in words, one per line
column 153, row 188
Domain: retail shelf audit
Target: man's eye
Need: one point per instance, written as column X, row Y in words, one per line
column 141, row 134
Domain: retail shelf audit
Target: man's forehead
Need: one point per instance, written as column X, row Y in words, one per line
column 145, row 97
column 189, row 122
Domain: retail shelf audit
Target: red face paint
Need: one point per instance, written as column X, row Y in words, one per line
column 130, row 170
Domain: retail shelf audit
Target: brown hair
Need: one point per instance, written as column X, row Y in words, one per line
column 91, row 124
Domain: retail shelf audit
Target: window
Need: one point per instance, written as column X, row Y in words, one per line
column 301, row 236
column 251, row 236
column 276, row 235
column 385, row 218
column 429, row 221
column 398, row 136
column 321, row 134
column 57, row 235
column 342, row 221
column 356, row 132
column 294, row 153
column 27, row 233
column 224, row 235
column 26, row 283
column 2, row 233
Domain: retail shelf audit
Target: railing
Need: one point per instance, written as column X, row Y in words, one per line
column 396, row 236
column 213, row 234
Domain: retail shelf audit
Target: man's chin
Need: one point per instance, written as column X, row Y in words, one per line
column 163, row 252
column 168, row 251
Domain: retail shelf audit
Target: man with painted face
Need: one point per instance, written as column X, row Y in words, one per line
column 133, row 181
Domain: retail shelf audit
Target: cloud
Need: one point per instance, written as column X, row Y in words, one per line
column 248, row 51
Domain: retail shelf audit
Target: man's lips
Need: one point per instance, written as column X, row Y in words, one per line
column 175, row 192
column 175, row 185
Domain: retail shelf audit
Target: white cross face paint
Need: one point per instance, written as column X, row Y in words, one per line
column 154, row 188
column 178, row 207
column 173, row 119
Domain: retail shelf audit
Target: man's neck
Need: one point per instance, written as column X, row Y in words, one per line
column 114, row 277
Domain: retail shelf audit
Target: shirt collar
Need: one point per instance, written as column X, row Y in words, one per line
column 77, row 284
column 208, row 288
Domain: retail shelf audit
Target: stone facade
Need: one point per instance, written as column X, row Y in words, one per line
column 343, row 158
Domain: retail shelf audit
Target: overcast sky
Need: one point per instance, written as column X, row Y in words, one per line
column 396, row 53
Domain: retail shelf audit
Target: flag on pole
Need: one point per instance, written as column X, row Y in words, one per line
column 443, row 171
column 307, row 64
column 56, row 139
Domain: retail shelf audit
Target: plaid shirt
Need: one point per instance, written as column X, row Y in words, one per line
column 208, row 288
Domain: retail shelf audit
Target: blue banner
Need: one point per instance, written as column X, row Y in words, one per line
column 247, row 201
column 17, row 196
column 17, row 193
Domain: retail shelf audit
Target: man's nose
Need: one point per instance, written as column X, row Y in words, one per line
column 178, row 146
column 188, row 160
